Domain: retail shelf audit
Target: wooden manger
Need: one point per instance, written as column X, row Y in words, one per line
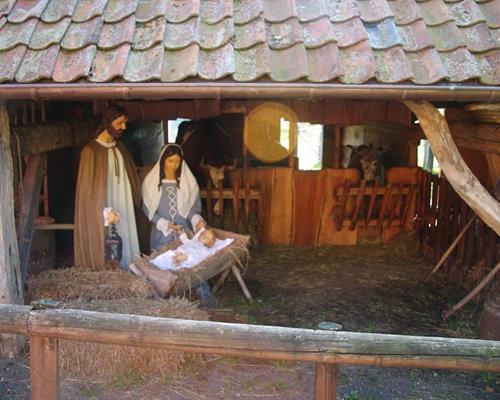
column 229, row 259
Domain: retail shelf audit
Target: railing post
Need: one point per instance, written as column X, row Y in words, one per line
column 325, row 381
column 44, row 368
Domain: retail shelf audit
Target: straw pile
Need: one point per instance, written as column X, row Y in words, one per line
column 107, row 362
column 117, row 292
column 78, row 283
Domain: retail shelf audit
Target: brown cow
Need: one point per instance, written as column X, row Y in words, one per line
column 370, row 162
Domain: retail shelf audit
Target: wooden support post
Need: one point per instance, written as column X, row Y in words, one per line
column 11, row 286
column 246, row 207
column 342, row 204
column 337, row 153
column 44, row 368
column 373, row 197
column 209, row 202
column 359, row 202
column 325, row 381
column 458, row 173
column 32, row 184
column 385, row 201
column 236, row 200
column 220, row 195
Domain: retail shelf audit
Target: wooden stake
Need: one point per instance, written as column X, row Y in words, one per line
column 325, row 381
column 44, row 368
column 450, row 249
column 473, row 293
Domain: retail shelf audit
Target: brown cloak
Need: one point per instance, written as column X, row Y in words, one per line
column 89, row 203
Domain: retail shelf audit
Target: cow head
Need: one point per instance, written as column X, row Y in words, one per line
column 216, row 175
column 367, row 159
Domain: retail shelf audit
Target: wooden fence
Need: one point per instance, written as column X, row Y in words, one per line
column 446, row 216
column 326, row 349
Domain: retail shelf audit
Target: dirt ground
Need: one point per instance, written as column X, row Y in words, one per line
column 366, row 288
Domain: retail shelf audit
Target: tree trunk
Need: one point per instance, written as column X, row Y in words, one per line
column 451, row 162
column 11, row 290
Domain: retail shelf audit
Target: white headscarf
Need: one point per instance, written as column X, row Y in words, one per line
column 186, row 193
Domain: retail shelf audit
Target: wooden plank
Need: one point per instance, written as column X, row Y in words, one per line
column 32, row 184
column 241, row 282
column 280, row 217
column 451, row 162
column 410, row 200
column 373, row 197
column 54, row 227
column 220, row 202
column 44, row 368
column 325, row 381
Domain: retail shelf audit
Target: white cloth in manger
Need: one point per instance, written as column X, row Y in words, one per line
column 194, row 249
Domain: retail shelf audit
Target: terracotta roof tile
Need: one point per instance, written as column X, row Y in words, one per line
column 72, row 65
column 279, row 11
column 250, row 34
column 283, row 35
column 26, row 9
column 405, row 11
column 491, row 12
column 446, row 37
column 113, row 35
column 479, row 38
column 383, row 35
column 288, row 64
column 214, row 11
column 489, row 63
column 342, row 10
column 415, row 36
column 81, row 34
column 426, row 66
column 247, row 10
column 318, row 33
column 116, row 10
column 56, row 10
column 460, row 65
column 466, row 13
column 324, row 63
column 37, row 65
column 148, row 10
column 349, row 32
column 310, row 10
column 46, row 35
column 182, row 10
column 374, row 10
column 145, row 65
column 179, row 36
column 6, row 6
column 354, row 41
column 180, row 64
column 216, row 64
column 358, row 63
column 13, row 35
column 109, row 64
column 213, row 36
column 392, row 65
column 149, row 34
column 88, row 9
column 252, row 64
column 10, row 61
column 435, row 12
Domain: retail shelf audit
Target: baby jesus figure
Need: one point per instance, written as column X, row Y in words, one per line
column 192, row 251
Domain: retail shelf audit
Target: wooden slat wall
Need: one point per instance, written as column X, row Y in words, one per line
column 309, row 188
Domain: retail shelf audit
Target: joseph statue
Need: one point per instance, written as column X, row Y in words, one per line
column 106, row 178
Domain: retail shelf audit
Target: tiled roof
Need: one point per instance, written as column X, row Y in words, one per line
column 346, row 41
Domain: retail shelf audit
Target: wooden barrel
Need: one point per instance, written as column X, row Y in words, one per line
column 42, row 251
column 489, row 327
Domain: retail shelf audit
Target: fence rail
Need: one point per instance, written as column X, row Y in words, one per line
column 326, row 349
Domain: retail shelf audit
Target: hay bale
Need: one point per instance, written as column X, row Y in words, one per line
column 106, row 362
column 77, row 283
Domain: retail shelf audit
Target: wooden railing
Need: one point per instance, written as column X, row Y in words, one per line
column 326, row 349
